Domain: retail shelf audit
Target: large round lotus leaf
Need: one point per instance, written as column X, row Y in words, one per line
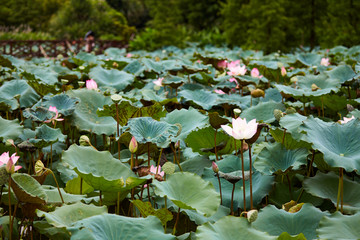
column 228, row 228
column 63, row 103
column 152, row 66
column 326, row 186
column 100, row 169
column 85, row 117
column 338, row 142
column 27, row 189
column 274, row 157
column 46, row 135
column 114, row 227
column 40, row 73
column 146, row 129
column 111, row 78
column 203, row 141
column 10, row 129
column 262, row 112
column 338, row 226
column 201, row 98
column 10, row 89
column 67, row 215
column 40, row 114
column 200, row 219
column 190, row 119
column 309, row 59
column 261, row 183
column 189, row 191
column 276, row 221
column 343, row 72
column 289, row 140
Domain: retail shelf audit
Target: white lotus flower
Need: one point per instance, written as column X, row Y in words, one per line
column 241, row 129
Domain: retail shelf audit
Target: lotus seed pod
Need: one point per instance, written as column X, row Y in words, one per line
column 9, row 142
column 288, row 205
column 115, row 64
column 278, row 114
column 168, row 168
column 252, row 215
column 314, row 87
column 257, row 93
column 81, row 84
column 290, row 110
column 133, row 145
column 84, row 140
column 116, row 98
column 64, row 81
column 4, row 176
column 39, row 167
column 296, row 208
column 294, row 79
column 180, row 129
column 237, row 112
column 215, row 167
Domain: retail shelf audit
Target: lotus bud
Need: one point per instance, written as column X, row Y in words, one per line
column 81, row 84
column 116, row 98
column 237, row 112
column 283, row 71
column 133, row 145
column 177, row 144
column 294, row 79
column 10, row 142
column 39, row 167
column 64, row 81
column 168, row 168
column 157, row 59
column 290, row 110
column 115, row 64
column 314, row 87
column 278, row 114
column 60, row 56
column 252, row 215
column 215, row 167
column 84, row 140
column 257, row 93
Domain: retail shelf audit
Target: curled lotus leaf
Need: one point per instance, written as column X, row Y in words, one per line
column 111, row 78
column 343, row 72
column 63, row 103
column 201, row 98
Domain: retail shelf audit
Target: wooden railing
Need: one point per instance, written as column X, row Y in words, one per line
column 52, row 48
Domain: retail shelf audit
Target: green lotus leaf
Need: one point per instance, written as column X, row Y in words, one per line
column 134, row 68
column 189, row 191
column 146, row 209
column 292, row 122
column 216, row 121
column 146, row 129
column 45, row 135
column 262, row 112
column 99, row 169
column 228, row 227
column 286, row 236
column 309, row 59
column 173, row 81
column 4, row 62
column 305, row 83
column 190, row 119
column 343, row 72
column 113, row 227
column 45, row 75
column 66, row 215
column 51, row 232
column 13, row 88
column 261, row 183
column 63, row 103
column 338, row 142
column 326, row 186
column 200, row 219
column 288, row 141
column 27, row 189
column 85, row 117
column 338, row 226
column 9, row 129
column 202, row 98
column 84, row 57
column 274, row 157
column 276, row 221
column 73, row 186
column 203, row 141
column 40, row 114
column 194, row 162
column 113, row 78
column 54, row 196
column 152, row 66
column 332, row 103
column 268, row 64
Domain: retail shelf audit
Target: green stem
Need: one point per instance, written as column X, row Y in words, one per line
column 118, row 204
column 81, row 185
column 52, row 173
column 251, row 192
column 289, row 183
column 9, row 193
column 232, row 200
column 100, row 196
column 243, row 172
column 158, row 163
column 148, row 145
column 132, row 161
column 217, row 159
column 342, row 189
column 176, row 222
column 339, row 192
column 219, row 188
column 177, row 160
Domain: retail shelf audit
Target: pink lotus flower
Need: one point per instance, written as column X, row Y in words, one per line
column 55, row 118
column 325, row 62
column 238, row 70
column 129, row 55
column 215, row 167
column 235, row 81
column 198, row 61
column 255, row 73
column 283, row 71
column 222, row 64
column 346, row 120
column 91, row 84
column 10, row 162
column 218, row 91
column 153, row 170
column 233, row 64
column 158, row 82
column 241, row 129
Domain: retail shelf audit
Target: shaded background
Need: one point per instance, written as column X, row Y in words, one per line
column 254, row 24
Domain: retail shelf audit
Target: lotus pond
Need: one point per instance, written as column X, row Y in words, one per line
column 195, row 143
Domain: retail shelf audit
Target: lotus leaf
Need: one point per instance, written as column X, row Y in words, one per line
column 39, row 73
column 227, row 228
column 262, row 112
column 63, row 103
column 9, row 90
column 338, row 142
column 309, row 59
column 27, row 189
column 189, row 191
column 99, row 169
column 146, row 209
column 46, row 135
column 54, row 196
column 40, row 114
column 276, row 221
column 113, row 78
column 344, row 73
column 200, row 219
column 201, row 98
column 85, row 117
column 9, row 129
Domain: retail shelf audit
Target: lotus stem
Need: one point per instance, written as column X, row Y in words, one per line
column 342, row 189
column 51, row 155
column 348, row 88
column 251, row 192
column 219, row 188
column 236, row 151
column 243, row 172
column 289, row 183
column 9, row 194
column 311, row 163
column 1, row 191
column 158, row 163
column 283, row 139
column 175, row 158
column 304, row 109
column 148, row 145
column 117, row 120
column 100, row 196
column 118, row 142
column 52, row 173
column 322, row 106
column 217, row 159
column 148, row 192
column 232, row 200
column 132, row 161
column 339, row 192
column 176, row 222
column 81, row 185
